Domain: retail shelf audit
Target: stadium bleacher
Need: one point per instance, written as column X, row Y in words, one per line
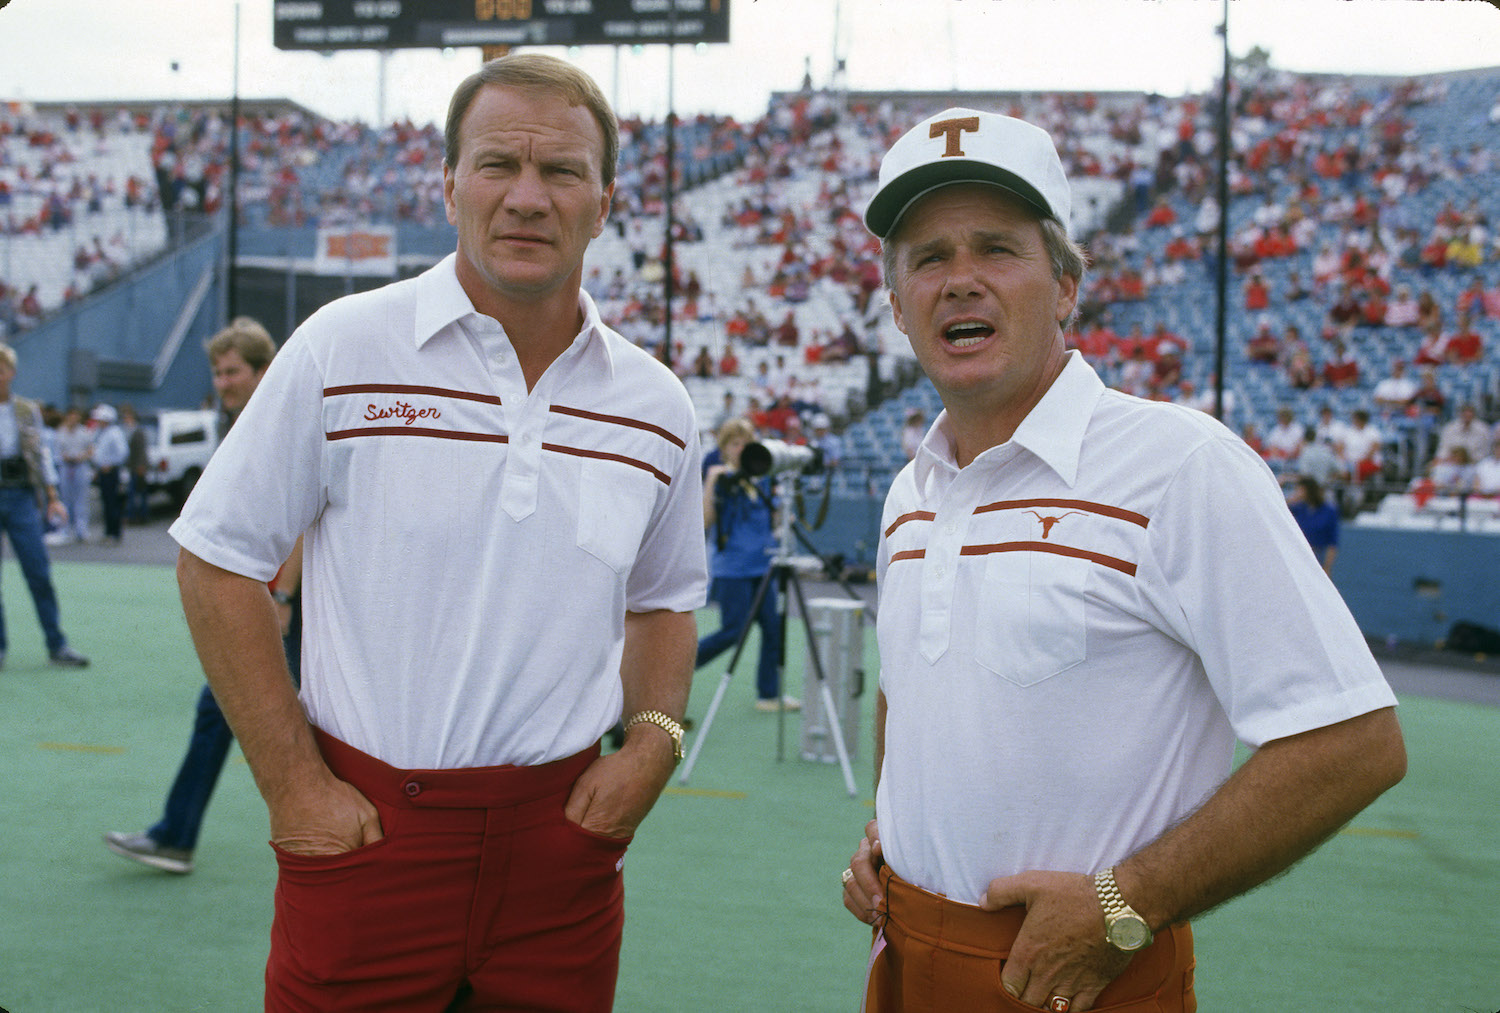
column 768, row 229
column 78, row 206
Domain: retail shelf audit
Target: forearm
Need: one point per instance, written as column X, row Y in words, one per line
column 656, row 667
column 237, row 635
column 1282, row 803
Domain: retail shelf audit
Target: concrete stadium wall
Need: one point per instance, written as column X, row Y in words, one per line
column 129, row 323
column 1414, row 585
column 851, row 529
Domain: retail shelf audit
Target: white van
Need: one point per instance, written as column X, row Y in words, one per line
column 178, row 446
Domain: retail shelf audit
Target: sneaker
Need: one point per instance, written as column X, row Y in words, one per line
column 142, row 848
column 771, row 705
column 66, row 657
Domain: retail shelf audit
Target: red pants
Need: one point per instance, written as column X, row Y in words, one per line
column 481, row 896
column 940, row 956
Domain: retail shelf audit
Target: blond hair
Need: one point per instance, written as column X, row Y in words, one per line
column 733, row 429
column 246, row 336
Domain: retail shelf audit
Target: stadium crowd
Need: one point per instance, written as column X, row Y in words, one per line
column 1364, row 272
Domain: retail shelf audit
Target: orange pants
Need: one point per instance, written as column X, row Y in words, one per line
column 941, row 956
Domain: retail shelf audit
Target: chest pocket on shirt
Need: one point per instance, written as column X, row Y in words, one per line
column 614, row 507
column 1033, row 619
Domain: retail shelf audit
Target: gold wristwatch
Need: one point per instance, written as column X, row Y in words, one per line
column 665, row 723
column 1123, row 927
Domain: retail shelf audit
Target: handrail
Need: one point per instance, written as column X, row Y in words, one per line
column 180, row 326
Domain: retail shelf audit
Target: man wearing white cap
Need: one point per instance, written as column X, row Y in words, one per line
column 111, row 451
column 1073, row 632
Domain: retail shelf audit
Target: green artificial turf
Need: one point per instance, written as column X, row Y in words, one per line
column 732, row 884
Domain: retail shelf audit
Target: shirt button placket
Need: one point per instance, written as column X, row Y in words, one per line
column 938, row 583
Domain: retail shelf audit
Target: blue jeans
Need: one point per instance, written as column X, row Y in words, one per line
column 208, row 746
column 22, row 520
column 187, row 801
column 736, row 595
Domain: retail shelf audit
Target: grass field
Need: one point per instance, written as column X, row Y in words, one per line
column 732, row 884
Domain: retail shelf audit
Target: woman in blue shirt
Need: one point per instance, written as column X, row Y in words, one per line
column 1318, row 519
column 739, row 515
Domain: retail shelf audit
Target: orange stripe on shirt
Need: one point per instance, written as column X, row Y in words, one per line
column 1059, row 550
column 915, row 515
column 1067, row 504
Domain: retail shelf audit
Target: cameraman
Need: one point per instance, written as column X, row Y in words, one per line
column 738, row 514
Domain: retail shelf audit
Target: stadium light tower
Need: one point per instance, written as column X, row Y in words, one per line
column 232, row 299
column 669, row 280
column 1221, row 282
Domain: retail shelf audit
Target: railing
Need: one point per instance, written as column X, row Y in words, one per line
column 1410, row 511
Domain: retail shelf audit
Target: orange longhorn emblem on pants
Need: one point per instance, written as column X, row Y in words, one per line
column 1048, row 522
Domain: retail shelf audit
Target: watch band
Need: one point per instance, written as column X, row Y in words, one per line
column 1124, row 927
column 665, row 723
column 1109, row 893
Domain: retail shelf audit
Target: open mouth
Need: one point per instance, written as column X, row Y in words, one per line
column 968, row 333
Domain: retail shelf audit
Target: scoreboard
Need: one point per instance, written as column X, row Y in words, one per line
column 424, row 24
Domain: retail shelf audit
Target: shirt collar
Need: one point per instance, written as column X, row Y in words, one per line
column 441, row 301
column 1053, row 431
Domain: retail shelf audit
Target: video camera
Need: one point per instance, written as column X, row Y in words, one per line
column 773, row 457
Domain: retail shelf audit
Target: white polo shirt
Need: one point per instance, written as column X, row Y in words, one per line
column 471, row 548
column 1074, row 629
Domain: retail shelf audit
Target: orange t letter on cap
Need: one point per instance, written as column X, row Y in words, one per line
column 954, row 128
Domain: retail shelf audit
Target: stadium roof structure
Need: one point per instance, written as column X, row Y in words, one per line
column 248, row 106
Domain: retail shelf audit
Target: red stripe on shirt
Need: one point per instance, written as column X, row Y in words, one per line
column 620, row 420
column 446, row 434
column 401, row 388
column 439, row 434
column 600, row 455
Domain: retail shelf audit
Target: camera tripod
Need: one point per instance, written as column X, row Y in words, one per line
column 783, row 570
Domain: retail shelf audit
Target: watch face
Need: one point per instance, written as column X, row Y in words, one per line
column 1129, row 932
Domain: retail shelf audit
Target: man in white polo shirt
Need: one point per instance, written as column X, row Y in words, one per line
column 1074, row 629
column 503, row 551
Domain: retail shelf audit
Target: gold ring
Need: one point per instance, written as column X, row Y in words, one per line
column 847, row 875
column 1058, row 1004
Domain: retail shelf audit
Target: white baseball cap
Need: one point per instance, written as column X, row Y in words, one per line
column 968, row 146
